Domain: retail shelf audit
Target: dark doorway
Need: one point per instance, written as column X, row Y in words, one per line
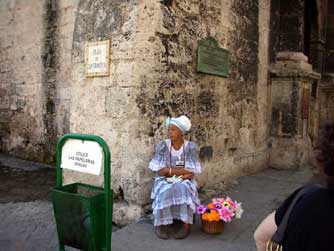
column 286, row 26
column 311, row 38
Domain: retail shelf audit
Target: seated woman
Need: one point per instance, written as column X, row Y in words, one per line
column 175, row 199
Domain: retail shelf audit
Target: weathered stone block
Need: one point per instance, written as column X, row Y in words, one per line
column 117, row 101
column 126, row 73
column 20, row 103
column 65, row 93
column 5, row 67
column 289, row 153
column 4, row 128
column 285, row 108
column 3, row 93
column 290, row 65
column 8, row 42
column 125, row 213
column 290, row 55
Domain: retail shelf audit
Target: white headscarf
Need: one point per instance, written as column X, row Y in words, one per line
column 182, row 122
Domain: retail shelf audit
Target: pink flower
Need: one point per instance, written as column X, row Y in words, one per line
column 225, row 209
column 218, row 200
column 233, row 204
column 226, row 214
column 201, row 209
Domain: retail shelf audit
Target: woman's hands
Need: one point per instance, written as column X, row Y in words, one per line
column 169, row 172
column 164, row 172
column 188, row 176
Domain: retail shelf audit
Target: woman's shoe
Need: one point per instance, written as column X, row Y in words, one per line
column 162, row 231
column 182, row 232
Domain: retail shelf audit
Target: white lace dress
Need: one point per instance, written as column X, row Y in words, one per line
column 174, row 200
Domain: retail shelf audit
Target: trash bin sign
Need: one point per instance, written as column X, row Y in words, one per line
column 83, row 212
column 82, row 156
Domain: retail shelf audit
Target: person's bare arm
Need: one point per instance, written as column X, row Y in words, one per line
column 176, row 171
column 265, row 231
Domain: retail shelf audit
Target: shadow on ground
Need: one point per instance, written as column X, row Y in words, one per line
column 18, row 185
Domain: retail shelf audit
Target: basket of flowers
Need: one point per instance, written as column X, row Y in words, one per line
column 217, row 212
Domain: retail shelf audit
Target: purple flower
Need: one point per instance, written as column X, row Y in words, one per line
column 218, row 205
column 201, row 209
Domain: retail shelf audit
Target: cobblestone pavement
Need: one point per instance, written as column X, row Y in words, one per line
column 27, row 222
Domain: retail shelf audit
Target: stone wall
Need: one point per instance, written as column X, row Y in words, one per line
column 326, row 85
column 325, row 100
column 153, row 61
column 21, row 91
column 35, row 75
column 105, row 106
column 152, row 75
column 323, row 94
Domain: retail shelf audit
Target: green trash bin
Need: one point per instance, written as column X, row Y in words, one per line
column 80, row 216
column 83, row 212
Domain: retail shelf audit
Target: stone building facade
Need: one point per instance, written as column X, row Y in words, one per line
column 242, row 123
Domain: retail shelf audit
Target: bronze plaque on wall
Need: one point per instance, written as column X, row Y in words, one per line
column 212, row 59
